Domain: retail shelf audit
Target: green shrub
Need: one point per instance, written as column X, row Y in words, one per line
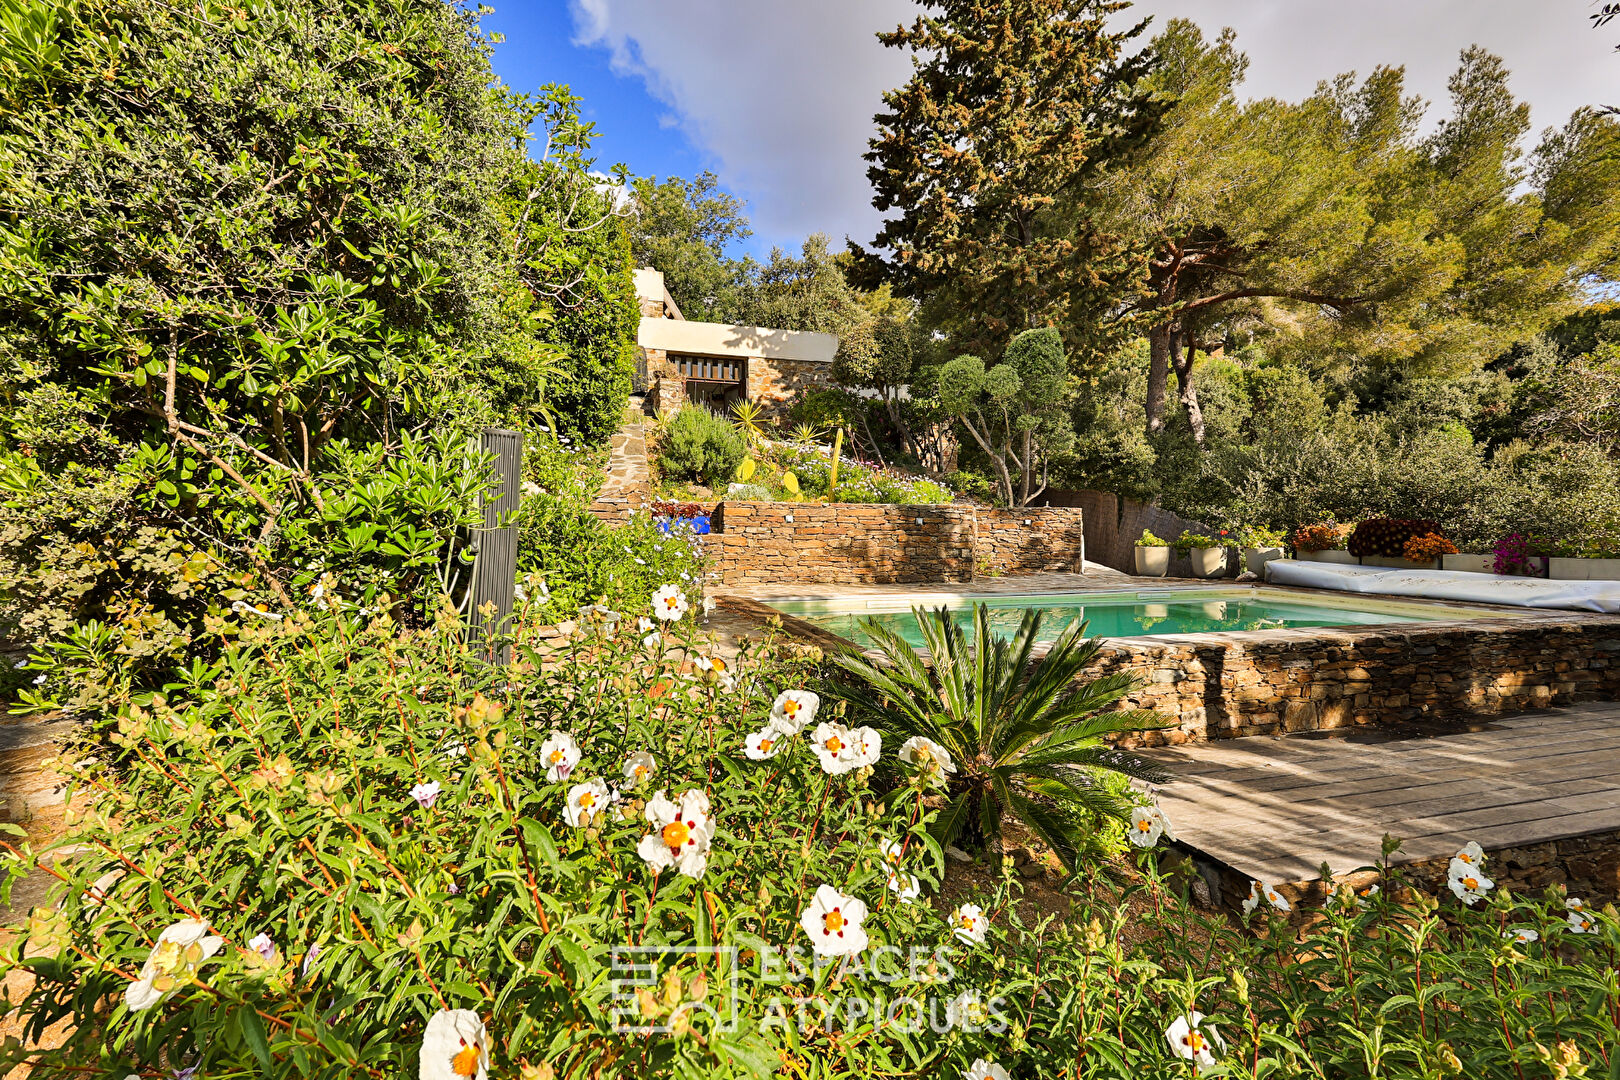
column 583, row 560
column 220, row 308
column 372, row 824
column 698, row 445
column 1147, row 539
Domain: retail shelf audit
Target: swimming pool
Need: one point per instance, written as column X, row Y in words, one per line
column 1136, row 613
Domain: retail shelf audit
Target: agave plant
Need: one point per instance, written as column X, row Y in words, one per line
column 1026, row 735
column 807, row 433
column 750, row 421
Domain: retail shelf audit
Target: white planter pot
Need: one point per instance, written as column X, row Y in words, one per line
column 1255, row 559
column 1469, row 564
column 1343, row 558
column 1399, row 564
column 1208, row 562
column 1152, row 561
column 1584, row 569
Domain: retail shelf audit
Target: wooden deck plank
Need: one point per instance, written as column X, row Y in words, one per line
column 1279, row 806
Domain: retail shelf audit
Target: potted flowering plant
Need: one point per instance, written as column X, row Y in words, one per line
column 677, row 515
column 1518, row 555
column 1595, row 558
column 1321, row 542
column 1384, row 542
column 1207, row 553
column 1260, row 545
column 1152, row 555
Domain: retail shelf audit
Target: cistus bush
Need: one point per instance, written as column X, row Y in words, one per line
column 348, row 848
column 1387, row 537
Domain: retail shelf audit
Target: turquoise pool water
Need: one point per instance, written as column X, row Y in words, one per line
column 1120, row 615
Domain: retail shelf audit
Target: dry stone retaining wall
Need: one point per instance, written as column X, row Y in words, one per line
column 1272, row 682
column 881, row 544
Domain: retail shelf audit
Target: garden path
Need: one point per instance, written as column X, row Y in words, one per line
column 1276, row 808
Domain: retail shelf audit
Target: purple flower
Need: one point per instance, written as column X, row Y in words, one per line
column 264, row 947
column 455, row 890
column 187, row 1073
column 310, row 957
column 426, row 794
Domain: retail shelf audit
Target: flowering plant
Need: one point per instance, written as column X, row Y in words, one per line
column 1517, row 553
column 1387, row 537
column 256, row 890
column 1324, row 536
column 1189, row 540
column 1147, row 539
column 1428, row 547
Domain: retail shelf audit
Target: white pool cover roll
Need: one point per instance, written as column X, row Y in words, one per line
column 1601, row 596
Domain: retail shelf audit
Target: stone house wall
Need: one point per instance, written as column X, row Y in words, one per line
column 773, row 382
column 879, row 544
column 1270, row 682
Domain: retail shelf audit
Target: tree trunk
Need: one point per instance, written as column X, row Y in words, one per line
column 1186, row 388
column 1158, row 370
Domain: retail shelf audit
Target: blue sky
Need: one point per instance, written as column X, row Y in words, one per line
column 777, row 96
column 539, row 49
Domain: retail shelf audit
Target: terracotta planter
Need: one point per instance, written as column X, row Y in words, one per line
column 1584, row 569
column 1343, row 558
column 1208, row 562
column 1152, row 561
column 1255, row 559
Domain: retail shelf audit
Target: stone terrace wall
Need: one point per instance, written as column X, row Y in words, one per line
column 847, row 543
column 882, row 544
column 1274, row 681
column 1036, row 540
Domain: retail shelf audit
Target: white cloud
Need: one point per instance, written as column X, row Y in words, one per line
column 782, row 94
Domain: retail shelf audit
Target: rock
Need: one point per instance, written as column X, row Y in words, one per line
column 957, row 853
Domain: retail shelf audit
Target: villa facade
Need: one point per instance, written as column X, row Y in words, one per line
column 717, row 364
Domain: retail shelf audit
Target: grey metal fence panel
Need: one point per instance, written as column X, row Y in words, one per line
column 495, row 576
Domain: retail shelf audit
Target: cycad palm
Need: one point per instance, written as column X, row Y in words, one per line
column 1026, row 735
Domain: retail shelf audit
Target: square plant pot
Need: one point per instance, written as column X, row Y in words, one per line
column 1343, row 558
column 1255, row 559
column 1207, row 562
column 1152, row 561
column 1469, row 564
column 1584, row 569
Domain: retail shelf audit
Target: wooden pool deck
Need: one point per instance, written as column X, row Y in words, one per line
column 1277, row 808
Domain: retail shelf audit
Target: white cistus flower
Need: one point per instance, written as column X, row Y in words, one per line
column 559, row 754
column 928, row 757
column 834, row 747
column 171, row 963
column 763, row 744
column 669, row 603
column 585, row 801
column 1258, row 891
column 1192, row 1040
column 681, row 834
column 1472, row 854
column 1580, row 923
column 638, row 767
column 970, row 924
column 455, row 1046
column 1466, row 880
column 793, row 710
column 905, row 887
column 985, row 1070
column 833, row 922
column 426, row 794
column 1148, row 823
column 868, row 746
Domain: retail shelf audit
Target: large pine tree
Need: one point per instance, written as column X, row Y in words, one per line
column 1009, row 108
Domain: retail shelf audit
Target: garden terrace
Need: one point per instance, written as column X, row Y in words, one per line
column 1539, row 791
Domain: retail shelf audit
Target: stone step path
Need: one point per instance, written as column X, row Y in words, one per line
column 1276, row 808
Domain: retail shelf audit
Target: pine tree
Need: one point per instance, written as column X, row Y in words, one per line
column 1011, row 105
